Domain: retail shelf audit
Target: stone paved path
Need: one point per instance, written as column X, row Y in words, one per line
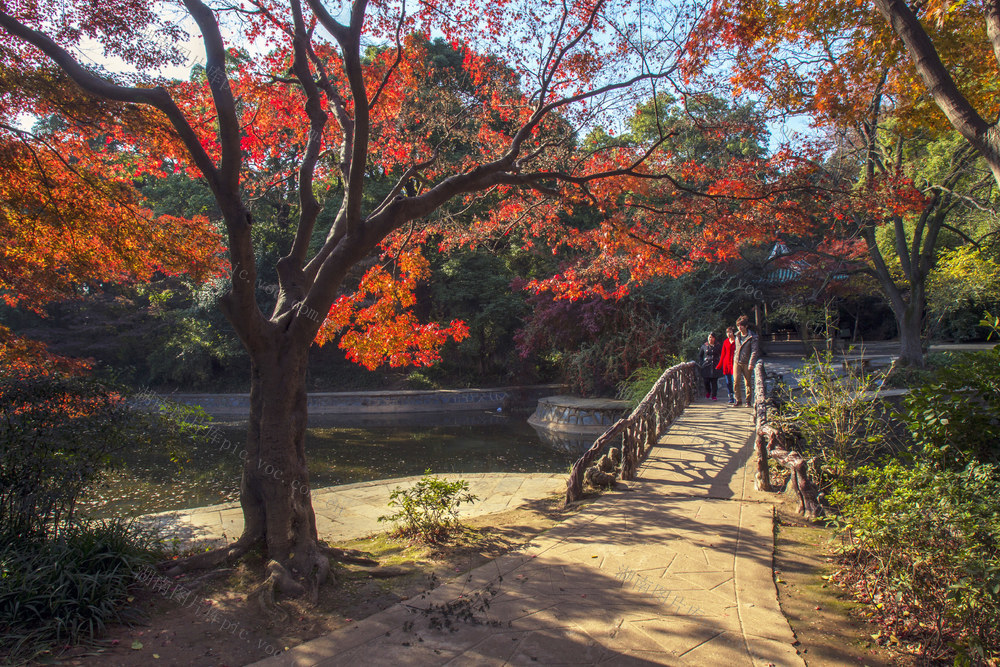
column 352, row 510
column 676, row 570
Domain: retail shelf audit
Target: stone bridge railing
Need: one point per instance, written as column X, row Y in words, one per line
column 642, row 429
column 771, row 443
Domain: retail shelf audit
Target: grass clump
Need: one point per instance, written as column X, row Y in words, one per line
column 64, row 590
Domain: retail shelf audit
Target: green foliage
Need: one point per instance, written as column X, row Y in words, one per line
column 57, row 433
column 635, row 388
column 429, row 510
column 180, row 195
column 905, row 376
column 693, row 340
column 63, row 578
column 955, row 417
column 475, row 287
column 56, row 591
column 843, row 426
column 419, row 380
column 923, row 527
column 687, row 122
column 191, row 353
column 924, row 549
column 991, row 322
column 964, row 282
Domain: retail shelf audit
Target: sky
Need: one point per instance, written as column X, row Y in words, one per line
column 90, row 51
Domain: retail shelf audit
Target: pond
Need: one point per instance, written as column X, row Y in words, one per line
column 204, row 473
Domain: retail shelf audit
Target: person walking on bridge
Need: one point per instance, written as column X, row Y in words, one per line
column 708, row 361
column 745, row 355
column 726, row 361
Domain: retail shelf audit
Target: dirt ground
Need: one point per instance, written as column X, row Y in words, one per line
column 829, row 626
column 219, row 627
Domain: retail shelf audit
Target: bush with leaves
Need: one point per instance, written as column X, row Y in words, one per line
column 955, row 417
column 923, row 529
column 842, row 425
column 429, row 509
column 62, row 577
column 63, row 590
column 924, row 550
column 641, row 382
column 57, row 433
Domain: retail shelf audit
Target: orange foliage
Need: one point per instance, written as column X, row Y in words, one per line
column 374, row 326
column 22, row 358
column 831, row 58
column 68, row 223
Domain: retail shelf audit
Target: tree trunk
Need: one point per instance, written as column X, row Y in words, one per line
column 275, row 493
column 910, row 323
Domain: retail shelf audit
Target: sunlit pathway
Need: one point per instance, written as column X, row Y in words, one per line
column 677, row 570
column 352, row 510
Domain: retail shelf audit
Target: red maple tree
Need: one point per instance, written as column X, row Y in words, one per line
column 378, row 136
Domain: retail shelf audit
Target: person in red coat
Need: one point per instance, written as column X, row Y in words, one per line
column 726, row 361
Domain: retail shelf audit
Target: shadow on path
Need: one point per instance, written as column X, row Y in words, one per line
column 675, row 570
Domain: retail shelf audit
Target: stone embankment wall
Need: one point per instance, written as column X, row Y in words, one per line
column 383, row 402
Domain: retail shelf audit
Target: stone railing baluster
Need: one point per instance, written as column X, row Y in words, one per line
column 642, row 429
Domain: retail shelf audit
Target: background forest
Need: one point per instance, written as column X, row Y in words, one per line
column 167, row 332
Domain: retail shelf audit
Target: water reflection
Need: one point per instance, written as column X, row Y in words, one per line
column 339, row 450
column 570, row 443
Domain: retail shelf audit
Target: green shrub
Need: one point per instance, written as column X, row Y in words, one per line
column 955, row 417
column 924, row 546
column 60, row 433
column 429, row 510
column 57, row 591
column 419, row 380
column 63, row 578
column 905, row 377
column 635, row 388
column 842, row 425
column 57, row 433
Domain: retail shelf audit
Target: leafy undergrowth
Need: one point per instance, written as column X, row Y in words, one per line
column 921, row 549
column 919, row 521
column 220, row 627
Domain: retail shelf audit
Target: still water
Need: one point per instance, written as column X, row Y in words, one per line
column 203, row 473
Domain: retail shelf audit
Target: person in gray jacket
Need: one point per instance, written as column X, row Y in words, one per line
column 744, row 358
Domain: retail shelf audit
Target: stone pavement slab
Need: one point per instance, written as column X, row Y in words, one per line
column 675, row 569
column 350, row 511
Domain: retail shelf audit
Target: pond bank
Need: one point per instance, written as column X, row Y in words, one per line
column 371, row 403
column 350, row 511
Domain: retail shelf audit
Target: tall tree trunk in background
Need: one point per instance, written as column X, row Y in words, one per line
column 911, row 325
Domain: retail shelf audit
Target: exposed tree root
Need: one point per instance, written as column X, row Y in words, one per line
column 319, row 570
column 390, row 572
column 279, row 580
column 210, row 559
column 347, row 556
column 198, row 582
column 301, row 576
